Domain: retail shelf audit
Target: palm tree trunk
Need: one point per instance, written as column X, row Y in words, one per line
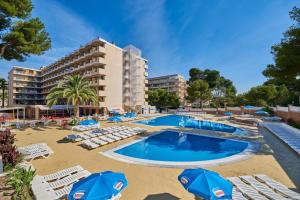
column 76, row 110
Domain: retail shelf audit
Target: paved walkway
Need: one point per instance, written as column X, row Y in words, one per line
column 288, row 134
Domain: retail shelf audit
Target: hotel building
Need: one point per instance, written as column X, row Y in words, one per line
column 117, row 75
column 171, row 83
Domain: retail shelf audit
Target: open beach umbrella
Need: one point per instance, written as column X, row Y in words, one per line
column 99, row 186
column 261, row 112
column 228, row 113
column 206, row 184
column 249, row 107
column 115, row 119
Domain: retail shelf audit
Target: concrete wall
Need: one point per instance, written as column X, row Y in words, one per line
column 114, row 78
column 286, row 113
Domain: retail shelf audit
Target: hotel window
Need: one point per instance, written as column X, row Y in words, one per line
column 101, row 88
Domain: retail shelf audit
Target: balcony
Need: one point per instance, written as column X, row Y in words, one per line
column 146, row 81
column 101, row 93
column 146, row 74
column 98, row 83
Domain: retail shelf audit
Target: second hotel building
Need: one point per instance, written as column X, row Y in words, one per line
column 118, row 75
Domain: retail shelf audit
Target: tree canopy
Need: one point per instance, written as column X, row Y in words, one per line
column 75, row 90
column 162, row 99
column 286, row 67
column 198, row 91
column 21, row 35
column 222, row 90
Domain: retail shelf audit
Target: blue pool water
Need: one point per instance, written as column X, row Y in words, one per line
column 88, row 122
column 190, row 122
column 182, row 147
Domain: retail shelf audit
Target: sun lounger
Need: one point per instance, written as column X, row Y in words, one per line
column 278, row 187
column 247, row 190
column 236, row 195
column 63, row 173
column 83, row 136
column 69, row 180
column 120, row 135
column 73, row 138
column 107, row 139
column 99, row 141
column 33, row 156
column 262, row 188
column 126, row 134
column 89, row 144
column 114, row 137
column 91, row 135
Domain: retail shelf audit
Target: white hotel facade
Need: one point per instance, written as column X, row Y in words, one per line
column 118, row 75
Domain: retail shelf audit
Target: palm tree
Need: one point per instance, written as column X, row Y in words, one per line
column 75, row 90
column 3, row 86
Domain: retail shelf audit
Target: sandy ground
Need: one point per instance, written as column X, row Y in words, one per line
column 154, row 183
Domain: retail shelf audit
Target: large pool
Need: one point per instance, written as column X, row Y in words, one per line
column 191, row 122
column 170, row 148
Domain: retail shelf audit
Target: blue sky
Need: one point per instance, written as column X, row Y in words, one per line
column 232, row 36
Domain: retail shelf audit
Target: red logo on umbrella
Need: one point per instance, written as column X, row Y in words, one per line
column 184, row 180
column 118, row 185
column 219, row 193
column 78, row 195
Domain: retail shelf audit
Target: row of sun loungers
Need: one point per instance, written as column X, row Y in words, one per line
column 201, row 114
column 34, row 151
column 81, row 128
column 288, row 134
column 58, row 184
column 117, row 134
column 260, row 187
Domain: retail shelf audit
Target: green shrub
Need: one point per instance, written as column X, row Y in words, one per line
column 74, row 121
column 269, row 110
column 20, row 179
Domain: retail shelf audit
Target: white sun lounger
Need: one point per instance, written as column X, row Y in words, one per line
column 84, row 137
column 247, row 190
column 262, row 188
column 277, row 186
column 236, row 195
column 114, row 137
column 120, row 135
column 107, row 139
column 69, row 179
column 125, row 133
column 99, row 141
column 36, row 155
column 63, row 173
column 89, row 144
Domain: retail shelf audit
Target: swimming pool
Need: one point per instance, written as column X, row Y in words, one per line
column 191, row 122
column 176, row 149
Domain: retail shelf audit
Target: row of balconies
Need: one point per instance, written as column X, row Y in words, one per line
column 26, row 91
column 77, row 69
column 25, row 86
column 100, row 51
column 25, row 80
column 24, row 73
column 28, row 98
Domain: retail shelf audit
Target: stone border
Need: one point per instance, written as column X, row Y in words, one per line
column 245, row 154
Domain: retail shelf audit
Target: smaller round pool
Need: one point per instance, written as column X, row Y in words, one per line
column 191, row 122
column 88, row 122
column 179, row 149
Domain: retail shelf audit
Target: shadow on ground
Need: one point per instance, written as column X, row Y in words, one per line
column 285, row 156
column 161, row 196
